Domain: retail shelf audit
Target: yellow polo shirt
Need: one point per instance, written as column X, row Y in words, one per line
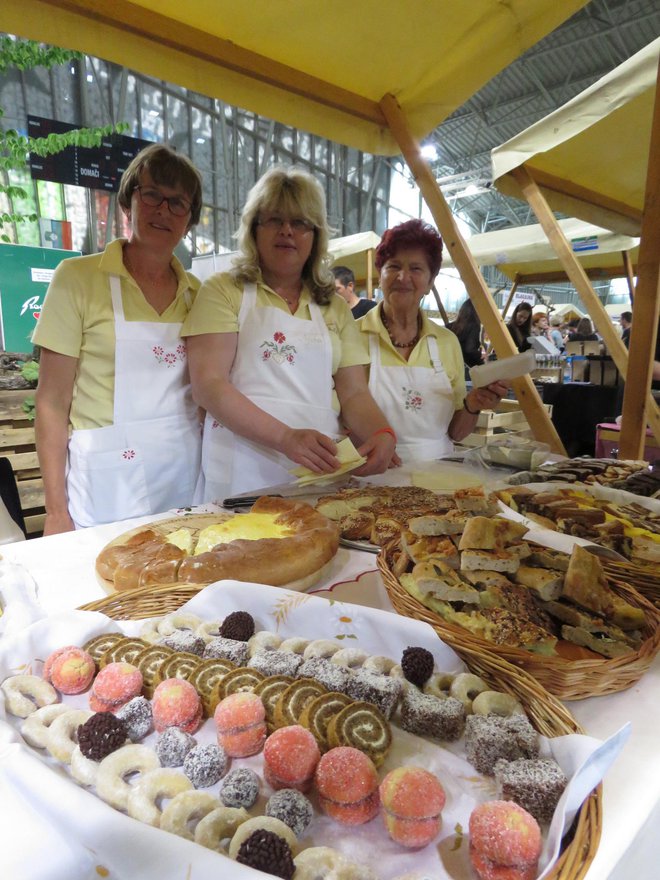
column 77, row 320
column 449, row 350
column 218, row 303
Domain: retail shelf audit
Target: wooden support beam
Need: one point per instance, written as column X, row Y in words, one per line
column 587, row 294
column 509, row 298
column 528, row 397
column 370, row 274
column 441, row 308
column 629, row 271
column 646, row 308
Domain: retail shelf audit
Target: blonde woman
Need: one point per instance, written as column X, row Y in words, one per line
column 274, row 353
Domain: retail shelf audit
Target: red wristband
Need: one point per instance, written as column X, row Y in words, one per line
column 387, row 430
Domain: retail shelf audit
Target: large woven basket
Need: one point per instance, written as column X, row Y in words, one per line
column 644, row 578
column 546, row 712
column 567, row 679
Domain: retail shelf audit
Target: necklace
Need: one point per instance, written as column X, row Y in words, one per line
column 413, row 341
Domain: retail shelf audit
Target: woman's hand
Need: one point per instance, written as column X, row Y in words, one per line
column 311, row 449
column 487, row 397
column 379, row 450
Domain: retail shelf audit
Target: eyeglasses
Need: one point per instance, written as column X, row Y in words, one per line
column 154, row 199
column 275, row 222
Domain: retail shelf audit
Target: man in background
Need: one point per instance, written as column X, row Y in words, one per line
column 625, row 319
column 345, row 287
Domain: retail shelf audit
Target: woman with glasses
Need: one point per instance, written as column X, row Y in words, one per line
column 416, row 374
column 117, row 431
column 274, row 353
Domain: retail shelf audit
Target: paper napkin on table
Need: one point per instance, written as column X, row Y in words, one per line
column 347, row 454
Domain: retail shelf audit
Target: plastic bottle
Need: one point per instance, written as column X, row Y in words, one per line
column 567, row 375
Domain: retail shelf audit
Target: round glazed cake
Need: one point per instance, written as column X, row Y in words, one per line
column 281, row 542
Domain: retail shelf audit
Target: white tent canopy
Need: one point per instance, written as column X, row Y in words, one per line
column 526, row 249
column 598, row 158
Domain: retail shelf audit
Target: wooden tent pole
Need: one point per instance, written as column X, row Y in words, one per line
column 580, row 281
column 441, row 308
column 528, row 397
column 370, row 274
column 630, row 275
column 509, row 298
column 646, row 308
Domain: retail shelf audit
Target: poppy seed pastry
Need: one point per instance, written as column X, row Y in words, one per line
column 227, row 649
column 137, row 717
column 381, row 690
column 173, row 745
column 441, row 718
column 240, row 788
column 291, row 807
column 275, row 662
column 489, row 738
column 331, row 676
column 535, row 784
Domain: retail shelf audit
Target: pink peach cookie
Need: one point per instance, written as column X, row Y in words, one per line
column 241, row 723
column 70, row 670
column 290, row 758
column 412, row 800
column 505, row 841
column 347, row 783
column 176, row 703
column 116, row 684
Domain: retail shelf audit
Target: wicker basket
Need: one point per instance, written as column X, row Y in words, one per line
column 567, row 679
column 546, row 712
column 644, row 578
column 151, row 601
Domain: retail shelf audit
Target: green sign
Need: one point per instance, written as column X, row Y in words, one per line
column 25, row 273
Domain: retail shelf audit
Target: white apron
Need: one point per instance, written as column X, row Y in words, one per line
column 284, row 365
column 418, row 403
column 147, row 461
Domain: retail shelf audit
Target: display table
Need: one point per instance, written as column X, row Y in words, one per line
column 607, row 442
column 63, row 568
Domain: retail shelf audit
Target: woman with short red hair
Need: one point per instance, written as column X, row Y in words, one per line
column 416, row 374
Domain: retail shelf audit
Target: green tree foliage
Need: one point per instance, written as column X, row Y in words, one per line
column 14, row 147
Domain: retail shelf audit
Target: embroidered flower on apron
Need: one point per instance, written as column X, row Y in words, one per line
column 413, row 399
column 128, row 454
column 277, row 351
column 169, row 358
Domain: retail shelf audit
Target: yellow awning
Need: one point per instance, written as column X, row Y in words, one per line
column 321, row 67
column 590, row 156
column 525, row 251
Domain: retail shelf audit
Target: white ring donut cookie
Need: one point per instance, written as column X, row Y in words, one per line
column 324, row 862
column 62, row 735
column 24, row 694
column 218, row 825
column 143, row 798
column 186, row 808
column 111, row 784
column 35, row 727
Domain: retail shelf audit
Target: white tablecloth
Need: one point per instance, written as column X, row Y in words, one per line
column 63, row 568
